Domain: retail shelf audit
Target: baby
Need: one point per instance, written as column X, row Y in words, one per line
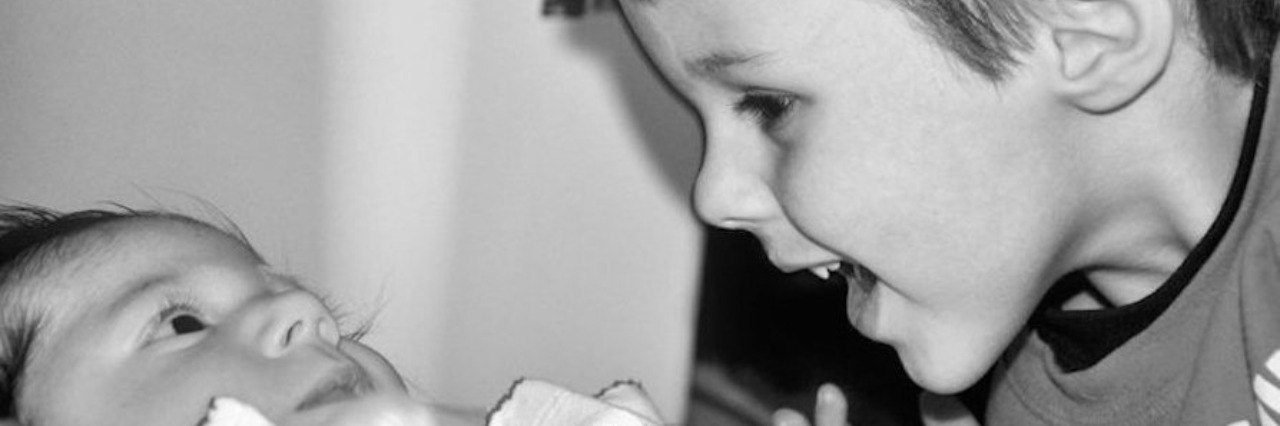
column 143, row 318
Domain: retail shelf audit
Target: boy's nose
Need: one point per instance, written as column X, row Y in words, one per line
column 281, row 322
column 730, row 191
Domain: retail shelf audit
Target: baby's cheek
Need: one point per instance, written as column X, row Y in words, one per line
column 381, row 373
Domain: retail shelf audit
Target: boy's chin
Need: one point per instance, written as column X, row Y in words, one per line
column 943, row 374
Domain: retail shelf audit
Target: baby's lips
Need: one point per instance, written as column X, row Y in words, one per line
column 377, row 409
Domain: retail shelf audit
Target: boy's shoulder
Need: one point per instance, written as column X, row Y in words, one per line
column 1211, row 358
column 1246, row 318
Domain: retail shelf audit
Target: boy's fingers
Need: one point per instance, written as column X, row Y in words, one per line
column 944, row 410
column 789, row 417
column 831, row 409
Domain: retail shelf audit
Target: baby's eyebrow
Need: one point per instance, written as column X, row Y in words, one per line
column 149, row 284
column 290, row 279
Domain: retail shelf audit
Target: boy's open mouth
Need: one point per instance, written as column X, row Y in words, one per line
column 860, row 282
column 853, row 274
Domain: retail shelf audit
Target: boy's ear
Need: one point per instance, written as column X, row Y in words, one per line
column 1107, row 52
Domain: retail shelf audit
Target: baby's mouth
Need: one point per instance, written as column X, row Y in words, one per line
column 347, row 384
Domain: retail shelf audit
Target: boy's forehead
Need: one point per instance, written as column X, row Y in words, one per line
column 694, row 29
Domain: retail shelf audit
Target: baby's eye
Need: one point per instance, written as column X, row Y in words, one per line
column 767, row 109
column 178, row 319
column 186, row 323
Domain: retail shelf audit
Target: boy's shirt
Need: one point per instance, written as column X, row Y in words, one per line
column 1212, row 358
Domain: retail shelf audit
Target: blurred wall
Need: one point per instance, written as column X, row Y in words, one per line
column 503, row 194
column 580, row 257
column 180, row 102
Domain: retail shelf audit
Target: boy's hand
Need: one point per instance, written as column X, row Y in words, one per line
column 380, row 410
column 831, row 410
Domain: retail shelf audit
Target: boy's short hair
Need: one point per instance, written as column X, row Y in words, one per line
column 1237, row 35
column 31, row 240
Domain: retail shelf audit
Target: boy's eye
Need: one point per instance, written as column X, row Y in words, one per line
column 768, row 110
column 186, row 323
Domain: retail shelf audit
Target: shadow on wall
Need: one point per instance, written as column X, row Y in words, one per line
column 668, row 128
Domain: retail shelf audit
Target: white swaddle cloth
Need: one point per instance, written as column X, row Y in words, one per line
column 529, row 402
column 538, row 403
column 225, row 411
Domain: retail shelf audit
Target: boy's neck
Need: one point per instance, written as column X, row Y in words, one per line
column 1160, row 170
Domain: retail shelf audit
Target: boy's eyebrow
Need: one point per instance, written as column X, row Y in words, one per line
column 716, row 62
column 648, row 3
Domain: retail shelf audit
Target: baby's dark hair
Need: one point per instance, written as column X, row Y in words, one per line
column 31, row 239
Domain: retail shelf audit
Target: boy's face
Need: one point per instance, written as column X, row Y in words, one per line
column 161, row 316
column 837, row 132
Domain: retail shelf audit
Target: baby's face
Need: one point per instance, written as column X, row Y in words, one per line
column 839, row 133
column 162, row 315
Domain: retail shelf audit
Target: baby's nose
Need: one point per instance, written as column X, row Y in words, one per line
column 283, row 321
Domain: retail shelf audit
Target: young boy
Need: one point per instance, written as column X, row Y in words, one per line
column 1081, row 193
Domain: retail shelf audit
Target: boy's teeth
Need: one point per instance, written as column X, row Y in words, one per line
column 825, row 271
